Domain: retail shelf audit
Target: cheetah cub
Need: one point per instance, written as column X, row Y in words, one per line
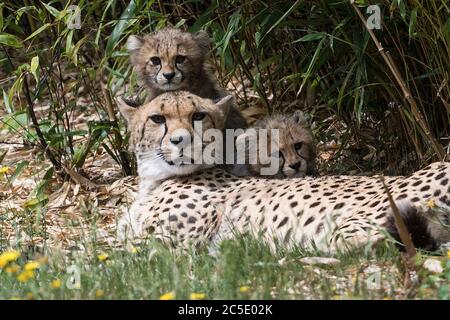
column 293, row 148
column 168, row 136
column 170, row 60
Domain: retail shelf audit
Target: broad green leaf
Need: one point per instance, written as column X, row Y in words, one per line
column 124, row 21
column 34, row 67
column 50, row 9
column 10, row 40
column 34, row 34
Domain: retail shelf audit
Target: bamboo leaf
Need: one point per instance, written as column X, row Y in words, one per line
column 34, row 34
column 34, row 67
column 124, row 21
column 311, row 37
column 10, row 40
column 50, row 9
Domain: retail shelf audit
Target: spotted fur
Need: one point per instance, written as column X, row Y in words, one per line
column 329, row 213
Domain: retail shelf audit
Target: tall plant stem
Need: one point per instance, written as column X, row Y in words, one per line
column 405, row 90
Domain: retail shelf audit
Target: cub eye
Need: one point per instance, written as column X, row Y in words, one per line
column 180, row 59
column 198, row 116
column 155, row 61
column 298, row 145
column 157, row 118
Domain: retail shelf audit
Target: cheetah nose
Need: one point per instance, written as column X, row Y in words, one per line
column 176, row 140
column 295, row 166
column 169, row 76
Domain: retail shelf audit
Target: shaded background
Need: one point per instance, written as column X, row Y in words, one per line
column 316, row 56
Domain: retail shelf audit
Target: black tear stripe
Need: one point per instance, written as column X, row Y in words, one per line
column 143, row 129
column 182, row 74
column 165, row 132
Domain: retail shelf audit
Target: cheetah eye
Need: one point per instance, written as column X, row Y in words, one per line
column 155, row 61
column 180, row 59
column 298, row 145
column 157, row 118
column 198, row 116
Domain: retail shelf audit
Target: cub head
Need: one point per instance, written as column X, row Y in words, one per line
column 167, row 59
column 168, row 134
column 292, row 147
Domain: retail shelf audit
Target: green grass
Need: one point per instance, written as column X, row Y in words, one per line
column 243, row 269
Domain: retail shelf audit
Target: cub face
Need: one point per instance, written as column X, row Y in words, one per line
column 292, row 147
column 167, row 133
column 168, row 59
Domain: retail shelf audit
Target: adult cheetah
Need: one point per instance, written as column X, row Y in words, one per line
column 328, row 213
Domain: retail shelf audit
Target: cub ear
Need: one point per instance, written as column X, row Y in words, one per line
column 300, row 118
column 203, row 40
column 126, row 109
column 225, row 104
column 134, row 45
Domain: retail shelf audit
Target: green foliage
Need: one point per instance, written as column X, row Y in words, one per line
column 316, row 51
column 242, row 269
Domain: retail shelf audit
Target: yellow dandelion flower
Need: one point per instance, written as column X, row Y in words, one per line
column 30, row 296
column 12, row 269
column 26, row 275
column 31, row 266
column 4, row 170
column 244, row 289
column 56, row 284
column 168, row 296
column 102, row 257
column 8, row 256
column 99, row 293
column 448, row 254
column 134, row 250
column 197, row 296
column 431, row 204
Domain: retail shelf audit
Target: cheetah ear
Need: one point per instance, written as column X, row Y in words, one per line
column 300, row 118
column 126, row 109
column 203, row 40
column 225, row 104
column 134, row 45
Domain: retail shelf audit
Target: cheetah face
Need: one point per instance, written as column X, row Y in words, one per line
column 168, row 58
column 290, row 142
column 167, row 133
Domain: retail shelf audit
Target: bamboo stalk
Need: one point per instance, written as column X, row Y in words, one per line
column 405, row 90
column 405, row 236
